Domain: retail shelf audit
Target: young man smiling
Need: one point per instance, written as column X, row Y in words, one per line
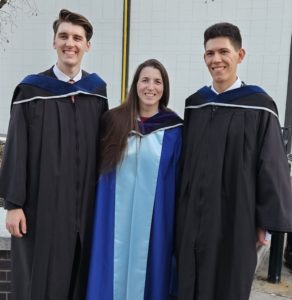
column 48, row 174
column 235, row 179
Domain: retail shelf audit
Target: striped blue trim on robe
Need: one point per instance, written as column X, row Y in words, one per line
column 126, row 264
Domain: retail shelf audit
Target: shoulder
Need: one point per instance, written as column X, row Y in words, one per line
column 48, row 72
column 199, row 97
column 27, row 88
column 93, row 77
column 258, row 97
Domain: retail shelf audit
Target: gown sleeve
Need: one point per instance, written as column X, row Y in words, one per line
column 274, row 201
column 13, row 176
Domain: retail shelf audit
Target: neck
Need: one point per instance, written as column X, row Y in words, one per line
column 148, row 112
column 68, row 70
column 221, row 87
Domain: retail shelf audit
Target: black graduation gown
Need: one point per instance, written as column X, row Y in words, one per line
column 235, row 178
column 49, row 169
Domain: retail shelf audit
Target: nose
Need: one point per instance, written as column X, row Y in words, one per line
column 69, row 42
column 216, row 57
column 150, row 85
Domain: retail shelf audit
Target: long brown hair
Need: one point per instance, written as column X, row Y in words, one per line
column 118, row 122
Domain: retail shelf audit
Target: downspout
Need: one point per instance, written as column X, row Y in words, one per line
column 125, row 50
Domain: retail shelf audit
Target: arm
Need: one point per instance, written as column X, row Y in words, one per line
column 16, row 222
column 13, row 174
column 274, row 201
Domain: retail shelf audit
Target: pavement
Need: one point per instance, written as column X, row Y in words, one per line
column 262, row 289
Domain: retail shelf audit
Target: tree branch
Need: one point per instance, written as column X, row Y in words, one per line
column 2, row 3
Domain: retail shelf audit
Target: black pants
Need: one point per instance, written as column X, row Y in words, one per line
column 289, row 240
column 288, row 251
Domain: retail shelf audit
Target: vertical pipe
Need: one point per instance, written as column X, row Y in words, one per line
column 276, row 257
column 288, row 112
column 125, row 51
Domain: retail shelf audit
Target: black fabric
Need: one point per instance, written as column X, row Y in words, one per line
column 75, row 270
column 50, row 169
column 235, row 178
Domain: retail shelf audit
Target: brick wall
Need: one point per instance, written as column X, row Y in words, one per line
column 5, row 274
column 5, row 258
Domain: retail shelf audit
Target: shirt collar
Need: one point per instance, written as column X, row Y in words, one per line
column 235, row 85
column 63, row 77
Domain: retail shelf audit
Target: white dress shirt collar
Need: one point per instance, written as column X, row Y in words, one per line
column 63, row 77
column 235, row 85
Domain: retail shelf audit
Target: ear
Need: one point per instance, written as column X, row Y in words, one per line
column 54, row 44
column 88, row 46
column 205, row 58
column 241, row 55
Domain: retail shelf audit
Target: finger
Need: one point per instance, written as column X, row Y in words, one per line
column 8, row 226
column 16, row 231
column 10, row 229
column 23, row 226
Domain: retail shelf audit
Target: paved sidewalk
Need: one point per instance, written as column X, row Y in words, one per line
column 264, row 296
column 263, row 290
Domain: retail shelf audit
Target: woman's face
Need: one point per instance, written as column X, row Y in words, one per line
column 150, row 90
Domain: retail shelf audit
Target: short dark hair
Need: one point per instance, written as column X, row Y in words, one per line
column 74, row 18
column 228, row 30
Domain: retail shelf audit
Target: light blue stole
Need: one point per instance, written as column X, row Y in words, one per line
column 136, row 180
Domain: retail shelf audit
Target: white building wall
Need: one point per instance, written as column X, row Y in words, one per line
column 31, row 46
column 169, row 30
column 172, row 31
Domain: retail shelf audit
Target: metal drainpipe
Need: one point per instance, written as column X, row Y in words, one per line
column 125, row 51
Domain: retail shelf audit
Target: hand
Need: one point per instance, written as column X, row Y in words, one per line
column 16, row 222
column 261, row 234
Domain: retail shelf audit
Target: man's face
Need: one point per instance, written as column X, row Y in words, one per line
column 222, row 59
column 71, row 44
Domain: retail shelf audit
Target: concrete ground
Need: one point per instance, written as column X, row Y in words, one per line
column 263, row 290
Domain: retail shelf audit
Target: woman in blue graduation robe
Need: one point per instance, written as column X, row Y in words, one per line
column 132, row 251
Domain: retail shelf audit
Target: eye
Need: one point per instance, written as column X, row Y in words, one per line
column 78, row 38
column 62, row 36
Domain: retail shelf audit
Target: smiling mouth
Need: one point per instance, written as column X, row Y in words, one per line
column 69, row 52
column 218, row 68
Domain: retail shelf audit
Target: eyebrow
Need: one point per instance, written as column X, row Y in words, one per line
column 220, row 49
column 66, row 33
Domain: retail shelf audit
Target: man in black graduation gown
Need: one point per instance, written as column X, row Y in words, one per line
column 235, row 180
column 48, row 174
